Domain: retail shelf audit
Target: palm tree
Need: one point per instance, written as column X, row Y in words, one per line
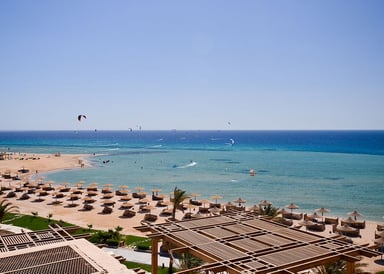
column 269, row 211
column 178, row 197
column 187, row 261
column 338, row 267
column 49, row 217
column 6, row 208
column 331, row 268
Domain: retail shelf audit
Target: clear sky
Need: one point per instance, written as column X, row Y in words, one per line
column 201, row 64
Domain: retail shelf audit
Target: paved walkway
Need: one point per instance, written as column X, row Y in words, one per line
column 14, row 229
column 138, row 257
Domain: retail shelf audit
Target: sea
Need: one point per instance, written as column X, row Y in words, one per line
column 339, row 170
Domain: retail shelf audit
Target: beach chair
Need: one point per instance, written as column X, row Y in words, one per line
column 107, row 210
column 128, row 213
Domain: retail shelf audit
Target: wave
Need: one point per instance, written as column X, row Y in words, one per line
column 191, row 164
column 156, row 146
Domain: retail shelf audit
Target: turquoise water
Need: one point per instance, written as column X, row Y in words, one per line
column 339, row 170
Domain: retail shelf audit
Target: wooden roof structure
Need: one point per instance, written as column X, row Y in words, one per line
column 245, row 243
column 54, row 251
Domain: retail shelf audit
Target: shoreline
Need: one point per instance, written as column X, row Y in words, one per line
column 38, row 164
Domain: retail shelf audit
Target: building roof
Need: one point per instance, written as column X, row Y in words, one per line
column 243, row 242
column 54, row 251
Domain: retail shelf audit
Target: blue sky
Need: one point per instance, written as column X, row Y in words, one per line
column 192, row 64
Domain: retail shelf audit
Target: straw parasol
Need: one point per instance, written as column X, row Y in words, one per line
column 166, row 203
column 123, row 187
column 346, row 229
column 108, row 196
column 322, row 210
column 292, row 206
column 79, row 184
column 216, row 197
column 127, row 205
column 156, row 190
column 108, row 202
column 240, row 201
column 355, row 214
column 214, row 210
column 195, row 195
column 57, row 195
column 148, row 207
column 73, row 197
column 91, row 193
column 144, row 201
column 265, row 203
column 190, row 206
column 65, row 184
column 88, row 200
column 205, row 202
column 93, row 184
column 126, row 198
column 380, row 234
column 380, row 242
column 306, row 223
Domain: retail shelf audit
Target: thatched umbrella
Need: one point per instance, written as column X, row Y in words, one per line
column 264, row 204
column 306, row 223
column 322, row 210
column 108, row 202
column 126, row 205
column 240, row 201
column 107, row 196
column 216, row 197
column 88, row 200
column 91, row 193
column 346, row 229
column 355, row 214
column 204, row 202
column 380, row 242
column 195, row 195
column 214, row 210
column 125, row 198
column 190, row 206
column 292, row 206
column 79, row 184
column 144, row 201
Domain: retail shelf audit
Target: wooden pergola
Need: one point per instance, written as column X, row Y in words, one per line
column 244, row 243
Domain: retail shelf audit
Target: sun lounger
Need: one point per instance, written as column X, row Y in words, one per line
column 292, row 215
column 195, row 202
column 107, row 210
column 150, row 217
column 287, row 222
column 316, row 227
column 354, row 223
column 128, row 213
column 331, row 220
column 87, row 207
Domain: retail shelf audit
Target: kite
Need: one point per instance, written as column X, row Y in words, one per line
column 80, row 117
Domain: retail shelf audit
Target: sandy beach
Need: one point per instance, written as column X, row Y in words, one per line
column 24, row 166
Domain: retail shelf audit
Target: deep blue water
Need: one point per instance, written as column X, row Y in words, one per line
column 341, row 170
